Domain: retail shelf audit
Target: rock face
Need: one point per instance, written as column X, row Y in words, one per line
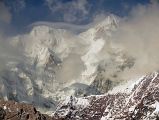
column 10, row 110
column 142, row 103
column 2, row 113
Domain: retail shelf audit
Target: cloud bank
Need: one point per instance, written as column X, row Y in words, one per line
column 5, row 15
column 138, row 34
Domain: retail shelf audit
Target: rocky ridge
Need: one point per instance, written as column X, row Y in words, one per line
column 142, row 103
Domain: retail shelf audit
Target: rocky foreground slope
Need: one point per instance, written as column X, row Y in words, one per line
column 10, row 110
column 141, row 104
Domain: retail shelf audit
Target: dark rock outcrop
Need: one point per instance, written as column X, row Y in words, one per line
column 10, row 110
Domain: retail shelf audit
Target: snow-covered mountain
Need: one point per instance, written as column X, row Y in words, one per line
column 140, row 103
column 59, row 64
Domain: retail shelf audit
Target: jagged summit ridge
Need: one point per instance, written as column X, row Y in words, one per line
column 102, row 29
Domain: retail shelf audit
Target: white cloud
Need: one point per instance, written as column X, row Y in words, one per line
column 62, row 25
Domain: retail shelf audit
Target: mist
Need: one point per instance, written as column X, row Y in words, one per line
column 8, row 53
column 138, row 35
column 71, row 69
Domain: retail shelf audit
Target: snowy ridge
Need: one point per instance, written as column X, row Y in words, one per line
column 126, row 87
column 97, row 38
column 56, row 60
column 140, row 104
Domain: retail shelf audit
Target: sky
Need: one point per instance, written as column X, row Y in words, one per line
column 18, row 14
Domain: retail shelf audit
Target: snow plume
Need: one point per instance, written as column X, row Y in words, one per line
column 139, row 35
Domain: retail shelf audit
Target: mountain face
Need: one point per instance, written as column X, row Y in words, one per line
column 57, row 63
column 140, row 103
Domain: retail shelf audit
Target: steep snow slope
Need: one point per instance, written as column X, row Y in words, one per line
column 141, row 103
column 59, row 64
column 104, row 60
column 97, row 38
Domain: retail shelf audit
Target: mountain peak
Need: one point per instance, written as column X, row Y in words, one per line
column 102, row 29
column 110, row 20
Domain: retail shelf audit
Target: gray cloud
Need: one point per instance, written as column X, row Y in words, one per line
column 5, row 15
